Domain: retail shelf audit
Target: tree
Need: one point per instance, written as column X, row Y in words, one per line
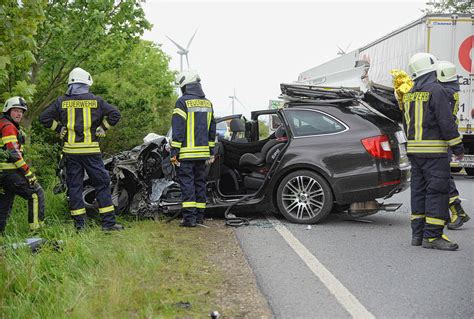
column 449, row 6
column 142, row 89
column 19, row 22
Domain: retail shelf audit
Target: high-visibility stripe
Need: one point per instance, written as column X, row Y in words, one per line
column 106, row 209
column 76, row 212
column 35, row 211
column 199, row 109
column 440, row 149
column 105, row 123
column 452, row 199
column 417, row 216
column 54, row 126
column 435, row 221
column 407, row 116
column 20, row 163
column 7, row 166
column 209, row 117
column 455, row 141
column 212, row 144
column 188, row 204
column 427, row 143
column 87, row 120
column 180, row 113
column 194, row 155
column 176, row 144
column 9, row 139
column 194, row 149
column 442, row 236
column 91, row 150
column 418, row 120
column 200, row 205
column 71, row 121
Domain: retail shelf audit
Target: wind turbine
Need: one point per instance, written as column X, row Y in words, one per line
column 182, row 51
column 235, row 98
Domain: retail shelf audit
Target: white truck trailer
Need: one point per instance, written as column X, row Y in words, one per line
column 448, row 37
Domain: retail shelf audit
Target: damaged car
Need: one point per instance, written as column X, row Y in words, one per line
column 333, row 148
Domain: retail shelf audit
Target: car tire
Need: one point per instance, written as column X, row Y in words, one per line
column 456, row 169
column 304, row 197
column 469, row 171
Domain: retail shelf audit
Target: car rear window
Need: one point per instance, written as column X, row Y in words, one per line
column 308, row 122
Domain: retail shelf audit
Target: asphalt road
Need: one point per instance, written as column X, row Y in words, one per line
column 344, row 268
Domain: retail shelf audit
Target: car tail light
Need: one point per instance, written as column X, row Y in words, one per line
column 378, row 146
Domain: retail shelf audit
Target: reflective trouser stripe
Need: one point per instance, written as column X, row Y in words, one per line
column 106, row 209
column 35, row 224
column 435, row 221
column 200, row 205
column 77, row 212
column 452, row 199
column 188, row 204
column 417, row 216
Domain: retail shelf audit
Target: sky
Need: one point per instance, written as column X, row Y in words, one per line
column 252, row 47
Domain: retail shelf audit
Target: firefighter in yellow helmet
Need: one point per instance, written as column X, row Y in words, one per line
column 448, row 78
column 16, row 178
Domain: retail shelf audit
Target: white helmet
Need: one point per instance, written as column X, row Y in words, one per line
column 15, row 102
column 421, row 63
column 78, row 75
column 186, row 77
column 446, row 71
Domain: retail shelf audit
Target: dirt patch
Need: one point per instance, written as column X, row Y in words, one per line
column 239, row 297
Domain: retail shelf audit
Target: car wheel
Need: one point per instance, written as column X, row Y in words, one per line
column 469, row 171
column 456, row 169
column 304, row 197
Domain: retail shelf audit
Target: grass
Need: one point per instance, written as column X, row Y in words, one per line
column 152, row 269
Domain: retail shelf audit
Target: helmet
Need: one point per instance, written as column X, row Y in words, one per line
column 186, row 77
column 78, row 75
column 446, row 71
column 15, row 102
column 421, row 64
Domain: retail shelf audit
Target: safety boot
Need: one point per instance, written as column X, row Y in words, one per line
column 416, row 241
column 458, row 217
column 441, row 243
column 115, row 227
column 80, row 222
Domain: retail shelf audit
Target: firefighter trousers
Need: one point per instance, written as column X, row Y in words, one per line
column 192, row 180
column 100, row 180
column 14, row 183
column 453, row 191
column 429, row 195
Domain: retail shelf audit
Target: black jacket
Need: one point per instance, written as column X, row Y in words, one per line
column 81, row 115
column 428, row 120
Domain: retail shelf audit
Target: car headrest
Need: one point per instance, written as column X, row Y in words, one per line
column 280, row 132
column 236, row 125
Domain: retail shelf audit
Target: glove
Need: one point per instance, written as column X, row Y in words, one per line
column 210, row 160
column 62, row 132
column 31, row 178
column 174, row 161
column 100, row 132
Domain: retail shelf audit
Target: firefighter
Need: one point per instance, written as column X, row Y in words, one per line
column 447, row 76
column 192, row 146
column 16, row 178
column 81, row 119
column 430, row 130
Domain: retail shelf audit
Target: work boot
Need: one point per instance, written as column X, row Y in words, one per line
column 187, row 224
column 458, row 217
column 116, row 227
column 416, row 241
column 80, row 222
column 441, row 243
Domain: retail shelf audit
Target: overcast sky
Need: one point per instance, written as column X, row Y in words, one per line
column 252, row 47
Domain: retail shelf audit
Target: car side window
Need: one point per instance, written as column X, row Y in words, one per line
column 305, row 122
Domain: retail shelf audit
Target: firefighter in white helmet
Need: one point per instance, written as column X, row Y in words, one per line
column 430, row 129
column 448, row 78
column 81, row 119
column 16, row 178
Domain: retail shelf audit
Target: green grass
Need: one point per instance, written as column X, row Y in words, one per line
column 144, row 271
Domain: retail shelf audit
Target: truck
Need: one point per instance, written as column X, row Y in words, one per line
column 449, row 37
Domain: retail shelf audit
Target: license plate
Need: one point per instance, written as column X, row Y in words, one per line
column 400, row 137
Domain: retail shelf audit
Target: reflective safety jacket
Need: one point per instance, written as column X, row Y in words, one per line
column 81, row 114
column 428, row 120
column 12, row 139
column 453, row 89
column 193, row 125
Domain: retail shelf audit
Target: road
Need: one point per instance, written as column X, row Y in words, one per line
column 343, row 268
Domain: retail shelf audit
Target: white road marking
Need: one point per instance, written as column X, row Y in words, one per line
column 335, row 287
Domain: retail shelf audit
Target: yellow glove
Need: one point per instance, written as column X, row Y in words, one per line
column 100, row 132
column 31, row 178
